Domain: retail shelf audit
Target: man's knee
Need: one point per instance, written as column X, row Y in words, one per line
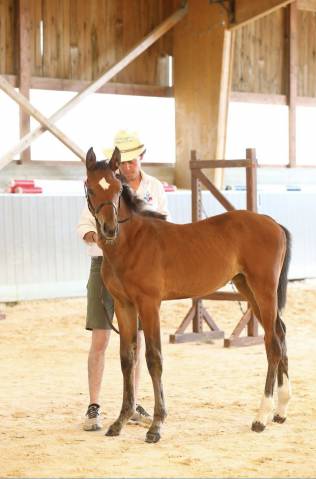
column 99, row 340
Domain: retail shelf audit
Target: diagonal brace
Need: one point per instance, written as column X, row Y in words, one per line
column 151, row 38
column 24, row 102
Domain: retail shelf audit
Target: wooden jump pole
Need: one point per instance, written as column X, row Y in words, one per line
column 197, row 314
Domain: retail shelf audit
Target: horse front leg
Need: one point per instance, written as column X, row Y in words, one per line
column 127, row 320
column 151, row 325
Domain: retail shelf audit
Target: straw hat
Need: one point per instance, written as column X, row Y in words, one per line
column 129, row 145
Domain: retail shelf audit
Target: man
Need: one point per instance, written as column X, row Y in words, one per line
column 151, row 191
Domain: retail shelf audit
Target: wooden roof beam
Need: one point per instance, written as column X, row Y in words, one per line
column 151, row 38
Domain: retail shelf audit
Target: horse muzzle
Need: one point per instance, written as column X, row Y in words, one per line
column 109, row 232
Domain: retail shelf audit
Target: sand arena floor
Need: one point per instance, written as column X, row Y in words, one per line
column 212, row 395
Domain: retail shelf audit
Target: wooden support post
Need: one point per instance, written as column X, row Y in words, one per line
column 251, row 180
column 24, row 70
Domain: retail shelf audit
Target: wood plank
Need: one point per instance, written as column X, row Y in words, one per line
column 225, row 88
column 201, row 337
column 65, row 38
column 259, row 57
column 36, row 40
column 201, row 164
column 110, row 87
column 24, row 70
column 292, row 93
column 247, row 10
column 242, row 323
column 74, row 32
column 262, row 98
column 169, row 23
column 243, row 341
column 44, row 83
column 24, row 103
column 308, row 5
column 215, row 192
column 251, row 180
column 3, row 52
column 8, row 36
column 224, row 296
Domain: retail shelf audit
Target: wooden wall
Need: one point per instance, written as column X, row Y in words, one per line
column 81, row 39
column 306, row 57
column 8, row 36
column 261, row 55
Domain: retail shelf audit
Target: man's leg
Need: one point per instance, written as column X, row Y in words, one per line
column 99, row 342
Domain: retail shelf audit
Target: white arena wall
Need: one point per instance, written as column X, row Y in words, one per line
column 42, row 257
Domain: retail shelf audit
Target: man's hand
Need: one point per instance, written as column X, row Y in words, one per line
column 91, row 237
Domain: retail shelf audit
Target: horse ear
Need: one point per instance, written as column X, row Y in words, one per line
column 115, row 160
column 90, row 159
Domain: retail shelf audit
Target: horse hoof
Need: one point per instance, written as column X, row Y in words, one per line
column 279, row 419
column 113, row 431
column 257, row 426
column 152, row 437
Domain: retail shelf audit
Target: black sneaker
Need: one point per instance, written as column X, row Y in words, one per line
column 92, row 419
column 141, row 417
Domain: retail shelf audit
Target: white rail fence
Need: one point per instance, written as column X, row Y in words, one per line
column 42, row 257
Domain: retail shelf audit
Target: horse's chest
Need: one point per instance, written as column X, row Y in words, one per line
column 116, row 284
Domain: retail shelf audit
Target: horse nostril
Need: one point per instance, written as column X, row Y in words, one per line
column 108, row 232
column 111, row 233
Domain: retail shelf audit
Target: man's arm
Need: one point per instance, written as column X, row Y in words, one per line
column 86, row 227
column 162, row 201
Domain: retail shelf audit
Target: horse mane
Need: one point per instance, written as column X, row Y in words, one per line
column 136, row 204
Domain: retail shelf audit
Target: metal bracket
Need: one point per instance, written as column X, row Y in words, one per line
column 230, row 8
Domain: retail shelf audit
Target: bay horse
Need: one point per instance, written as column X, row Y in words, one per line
column 147, row 259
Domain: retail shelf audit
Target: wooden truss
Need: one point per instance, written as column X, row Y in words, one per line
column 197, row 314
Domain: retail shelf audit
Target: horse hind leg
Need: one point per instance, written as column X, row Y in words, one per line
column 241, row 284
column 284, row 385
column 265, row 308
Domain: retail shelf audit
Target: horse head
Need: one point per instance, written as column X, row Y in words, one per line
column 103, row 191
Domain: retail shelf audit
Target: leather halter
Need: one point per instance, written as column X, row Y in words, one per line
column 95, row 211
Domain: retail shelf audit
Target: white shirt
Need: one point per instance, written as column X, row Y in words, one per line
column 150, row 190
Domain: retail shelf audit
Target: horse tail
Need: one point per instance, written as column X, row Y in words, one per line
column 282, row 287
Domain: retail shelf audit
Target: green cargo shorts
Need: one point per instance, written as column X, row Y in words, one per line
column 96, row 293
column 98, row 299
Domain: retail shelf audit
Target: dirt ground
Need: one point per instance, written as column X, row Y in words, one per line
column 212, row 395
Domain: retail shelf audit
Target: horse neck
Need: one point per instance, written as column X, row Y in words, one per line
column 130, row 223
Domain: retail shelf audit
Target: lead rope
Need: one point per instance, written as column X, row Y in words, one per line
column 106, row 312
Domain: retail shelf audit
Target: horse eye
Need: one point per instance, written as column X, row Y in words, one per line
column 90, row 191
